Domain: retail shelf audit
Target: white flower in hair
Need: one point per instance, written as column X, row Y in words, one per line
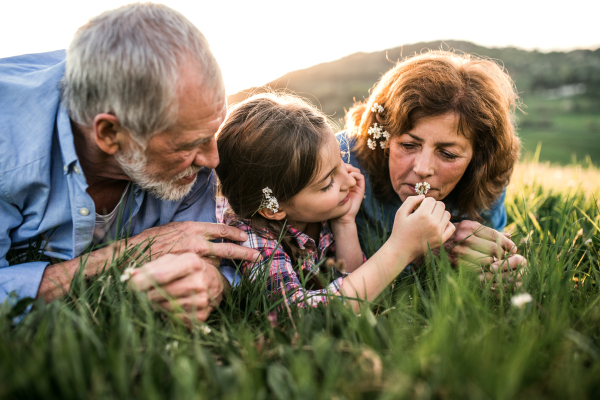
column 268, row 201
column 377, row 108
column 377, row 132
column 371, row 144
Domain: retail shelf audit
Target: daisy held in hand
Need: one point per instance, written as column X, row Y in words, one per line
column 422, row 187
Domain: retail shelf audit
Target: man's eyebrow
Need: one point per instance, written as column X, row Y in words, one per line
column 195, row 143
column 438, row 144
column 325, row 177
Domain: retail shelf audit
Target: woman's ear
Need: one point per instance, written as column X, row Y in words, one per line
column 268, row 214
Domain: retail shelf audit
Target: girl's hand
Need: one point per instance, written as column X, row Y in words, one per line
column 357, row 193
column 429, row 224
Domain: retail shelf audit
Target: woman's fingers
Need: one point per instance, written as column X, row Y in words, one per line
column 503, row 243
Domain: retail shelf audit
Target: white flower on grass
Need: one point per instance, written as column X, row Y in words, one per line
column 377, row 108
column 422, row 187
column 172, row 346
column 588, row 242
column 205, row 329
column 127, row 274
column 521, row 299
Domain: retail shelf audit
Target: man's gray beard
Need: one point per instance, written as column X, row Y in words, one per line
column 135, row 164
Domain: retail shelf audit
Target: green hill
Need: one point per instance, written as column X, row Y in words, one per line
column 560, row 91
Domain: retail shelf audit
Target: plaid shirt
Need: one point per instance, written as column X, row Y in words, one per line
column 282, row 276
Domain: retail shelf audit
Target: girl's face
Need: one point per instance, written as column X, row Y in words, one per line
column 326, row 197
column 433, row 152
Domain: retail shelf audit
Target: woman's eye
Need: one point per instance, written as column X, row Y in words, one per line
column 449, row 156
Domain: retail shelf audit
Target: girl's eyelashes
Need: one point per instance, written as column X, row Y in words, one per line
column 326, row 188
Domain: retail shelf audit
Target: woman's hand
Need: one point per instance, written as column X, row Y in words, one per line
column 357, row 193
column 428, row 225
column 473, row 243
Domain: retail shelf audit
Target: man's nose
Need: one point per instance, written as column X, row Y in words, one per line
column 208, row 156
column 424, row 164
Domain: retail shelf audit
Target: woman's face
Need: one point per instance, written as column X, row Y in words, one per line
column 433, row 152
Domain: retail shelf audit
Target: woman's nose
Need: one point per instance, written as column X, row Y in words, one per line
column 424, row 164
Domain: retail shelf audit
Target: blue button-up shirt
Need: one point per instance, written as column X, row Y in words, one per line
column 376, row 219
column 42, row 187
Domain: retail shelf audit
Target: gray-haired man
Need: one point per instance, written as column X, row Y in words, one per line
column 126, row 124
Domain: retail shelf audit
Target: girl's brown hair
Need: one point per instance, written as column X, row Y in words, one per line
column 477, row 90
column 269, row 140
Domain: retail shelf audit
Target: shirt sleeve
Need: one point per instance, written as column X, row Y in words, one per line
column 282, row 279
column 495, row 217
column 21, row 279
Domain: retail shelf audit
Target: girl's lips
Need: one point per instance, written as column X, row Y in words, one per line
column 345, row 199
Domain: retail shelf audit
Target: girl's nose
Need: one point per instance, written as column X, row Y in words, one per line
column 349, row 181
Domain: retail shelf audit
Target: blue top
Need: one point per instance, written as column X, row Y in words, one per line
column 376, row 219
column 42, row 189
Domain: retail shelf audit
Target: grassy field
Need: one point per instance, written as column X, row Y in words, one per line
column 568, row 129
column 437, row 334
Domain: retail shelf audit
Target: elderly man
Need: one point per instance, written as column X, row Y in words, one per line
column 118, row 140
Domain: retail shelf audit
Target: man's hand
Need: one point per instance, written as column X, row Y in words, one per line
column 184, row 283
column 195, row 237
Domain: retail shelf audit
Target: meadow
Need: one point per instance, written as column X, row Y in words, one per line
column 439, row 333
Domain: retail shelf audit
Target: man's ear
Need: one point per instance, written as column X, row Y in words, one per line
column 268, row 214
column 106, row 129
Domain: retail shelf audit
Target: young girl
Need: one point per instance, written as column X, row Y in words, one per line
column 287, row 186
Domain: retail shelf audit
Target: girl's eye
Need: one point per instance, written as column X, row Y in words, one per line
column 326, row 188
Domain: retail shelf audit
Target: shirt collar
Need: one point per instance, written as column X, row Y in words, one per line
column 65, row 138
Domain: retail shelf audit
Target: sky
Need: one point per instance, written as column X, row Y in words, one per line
column 258, row 41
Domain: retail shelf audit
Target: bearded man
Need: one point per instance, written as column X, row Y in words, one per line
column 115, row 138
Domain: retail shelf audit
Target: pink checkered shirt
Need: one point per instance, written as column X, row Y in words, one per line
column 281, row 272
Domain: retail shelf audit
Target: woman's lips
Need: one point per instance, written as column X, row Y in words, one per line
column 345, row 199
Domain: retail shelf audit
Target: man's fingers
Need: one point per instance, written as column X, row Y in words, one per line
column 233, row 251
column 196, row 285
column 166, row 269
column 222, row 231
column 190, row 304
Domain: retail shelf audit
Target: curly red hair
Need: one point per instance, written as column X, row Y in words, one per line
column 477, row 90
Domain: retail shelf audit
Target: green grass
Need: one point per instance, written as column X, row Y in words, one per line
column 568, row 128
column 437, row 334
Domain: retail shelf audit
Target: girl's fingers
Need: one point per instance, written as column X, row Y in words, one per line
column 449, row 229
column 409, row 205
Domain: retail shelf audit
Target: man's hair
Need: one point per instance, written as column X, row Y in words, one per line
column 127, row 61
column 435, row 83
column 269, row 140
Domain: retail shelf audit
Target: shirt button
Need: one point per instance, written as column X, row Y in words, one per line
column 77, row 171
column 65, row 168
column 84, row 211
